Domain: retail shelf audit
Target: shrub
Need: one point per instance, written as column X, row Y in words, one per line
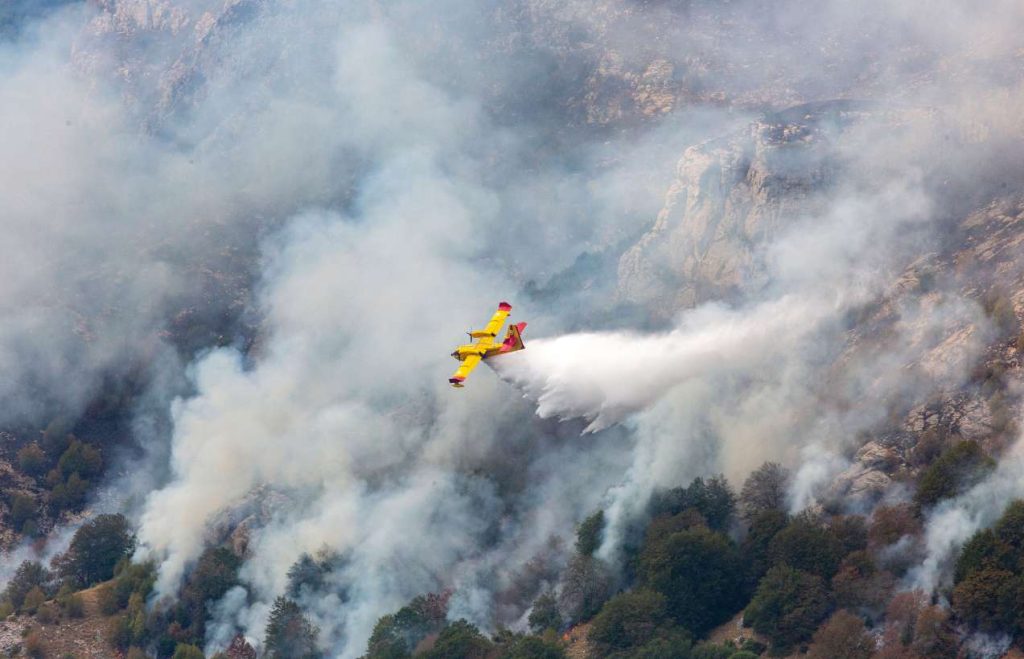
column 106, row 600
column 119, row 633
column 34, row 645
column 6, row 610
column 32, row 459
column 47, row 614
column 34, row 599
column 588, row 535
column 74, row 605
column 787, row 607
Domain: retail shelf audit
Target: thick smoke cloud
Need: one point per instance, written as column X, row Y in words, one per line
column 385, row 174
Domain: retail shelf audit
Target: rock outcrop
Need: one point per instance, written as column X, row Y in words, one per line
column 729, row 195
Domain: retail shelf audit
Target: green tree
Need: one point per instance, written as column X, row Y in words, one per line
column 990, row 600
column 29, row 575
column 787, row 607
column 890, row 523
column 96, row 548
column 289, row 634
column 131, row 578
column 520, row 646
column 709, row 650
column 983, row 550
column 860, row 585
column 34, row 599
column 69, row 495
column 215, row 574
column 764, row 526
column 544, row 614
column 764, row 490
column 713, row 499
column 588, row 535
column 843, row 636
column 460, row 639
column 700, row 573
column 396, row 635
column 32, row 459
column 55, row 437
column 627, row 621
column 805, row 545
column 671, row 642
column 851, row 531
column 933, row 634
column 958, row 469
column 587, row 583
column 309, row 572
column 186, row 651
column 1010, row 527
column 80, row 458
column 23, row 509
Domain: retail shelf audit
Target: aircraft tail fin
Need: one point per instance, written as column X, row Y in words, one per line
column 514, row 338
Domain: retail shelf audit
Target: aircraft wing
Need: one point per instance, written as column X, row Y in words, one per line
column 468, row 364
column 497, row 320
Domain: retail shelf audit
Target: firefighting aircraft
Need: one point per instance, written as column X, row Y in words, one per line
column 471, row 354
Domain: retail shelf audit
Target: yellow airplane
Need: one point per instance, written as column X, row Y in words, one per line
column 471, row 354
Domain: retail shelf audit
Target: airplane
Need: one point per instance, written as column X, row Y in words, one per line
column 473, row 353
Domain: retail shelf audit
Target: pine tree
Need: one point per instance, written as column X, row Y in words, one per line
column 289, row 634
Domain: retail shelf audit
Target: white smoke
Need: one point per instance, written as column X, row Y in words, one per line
column 402, row 188
column 955, row 520
column 603, row 378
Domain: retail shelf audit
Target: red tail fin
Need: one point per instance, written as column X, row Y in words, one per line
column 514, row 338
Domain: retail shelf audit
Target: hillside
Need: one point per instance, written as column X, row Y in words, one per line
column 770, row 256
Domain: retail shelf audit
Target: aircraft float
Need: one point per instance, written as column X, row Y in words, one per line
column 472, row 354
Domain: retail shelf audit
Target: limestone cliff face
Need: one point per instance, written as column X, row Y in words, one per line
column 729, row 196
